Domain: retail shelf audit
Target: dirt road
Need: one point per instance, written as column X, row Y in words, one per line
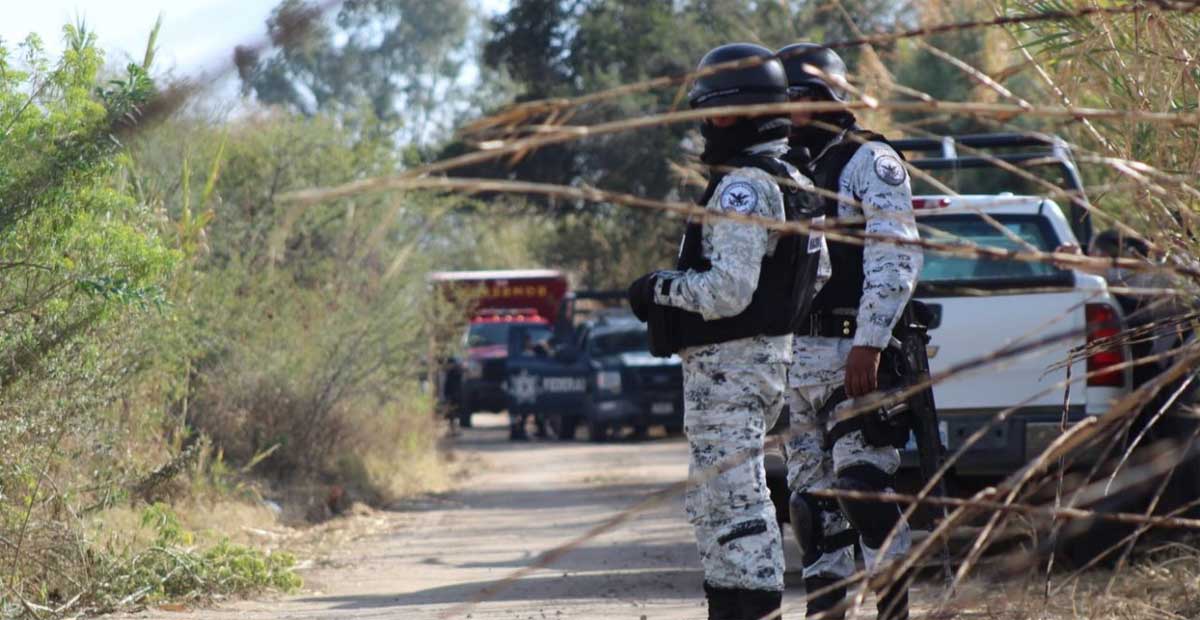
column 428, row 559
column 526, row 499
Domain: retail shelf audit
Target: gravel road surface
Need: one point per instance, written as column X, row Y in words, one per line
column 433, row 556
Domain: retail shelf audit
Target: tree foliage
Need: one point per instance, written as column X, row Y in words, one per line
column 1137, row 61
column 554, row 48
column 156, row 294
column 401, row 59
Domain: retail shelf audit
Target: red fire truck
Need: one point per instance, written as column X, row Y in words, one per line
column 498, row 301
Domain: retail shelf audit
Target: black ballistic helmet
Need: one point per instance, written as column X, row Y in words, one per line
column 804, row 84
column 763, row 82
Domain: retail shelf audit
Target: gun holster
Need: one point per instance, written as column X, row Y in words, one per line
column 883, row 427
column 890, row 426
column 663, row 331
column 880, row 428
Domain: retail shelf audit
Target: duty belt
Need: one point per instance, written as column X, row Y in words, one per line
column 828, row 325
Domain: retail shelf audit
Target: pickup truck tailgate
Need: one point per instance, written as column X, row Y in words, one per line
column 973, row 327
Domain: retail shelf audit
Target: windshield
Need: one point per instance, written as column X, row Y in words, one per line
column 492, row 334
column 966, row 229
column 613, row 343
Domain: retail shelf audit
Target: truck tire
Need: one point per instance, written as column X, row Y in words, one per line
column 640, row 431
column 1180, row 490
column 563, row 426
column 464, row 417
column 597, row 431
column 1180, row 426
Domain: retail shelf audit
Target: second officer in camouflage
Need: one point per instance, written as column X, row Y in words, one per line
column 729, row 310
column 837, row 353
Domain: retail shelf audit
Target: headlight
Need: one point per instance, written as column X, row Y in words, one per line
column 474, row 369
column 609, row 381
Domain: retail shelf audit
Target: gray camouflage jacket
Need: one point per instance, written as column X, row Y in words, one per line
column 736, row 250
column 876, row 178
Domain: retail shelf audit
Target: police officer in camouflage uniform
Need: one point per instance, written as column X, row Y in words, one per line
column 836, row 356
column 725, row 304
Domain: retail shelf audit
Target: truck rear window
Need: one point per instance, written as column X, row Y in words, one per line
column 943, row 271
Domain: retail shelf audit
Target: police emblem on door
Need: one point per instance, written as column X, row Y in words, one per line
column 524, row 387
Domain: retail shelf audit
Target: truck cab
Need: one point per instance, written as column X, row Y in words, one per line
column 485, row 346
column 632, row 387
column 597, row 372
column 494, row 303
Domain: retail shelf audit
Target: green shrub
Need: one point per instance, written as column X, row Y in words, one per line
column 302, row 328
column 170, row 567
column 89, row 283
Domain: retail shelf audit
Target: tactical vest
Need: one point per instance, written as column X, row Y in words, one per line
column 844, row 288
column 785, row 282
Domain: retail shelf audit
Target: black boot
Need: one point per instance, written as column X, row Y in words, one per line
column 892, row 603
column 723, row 603
column 758, row 604
column 824, row 604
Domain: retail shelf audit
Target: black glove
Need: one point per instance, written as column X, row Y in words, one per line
column 641, row 296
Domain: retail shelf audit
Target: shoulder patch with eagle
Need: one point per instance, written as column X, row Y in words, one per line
column 739, row 196
column 890, row 170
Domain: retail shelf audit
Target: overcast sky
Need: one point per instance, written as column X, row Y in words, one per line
column 197, row 35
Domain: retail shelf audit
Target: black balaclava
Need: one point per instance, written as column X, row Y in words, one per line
column 814, row 138
column 722, row 143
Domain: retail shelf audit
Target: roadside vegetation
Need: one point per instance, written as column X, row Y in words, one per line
column 177, row 343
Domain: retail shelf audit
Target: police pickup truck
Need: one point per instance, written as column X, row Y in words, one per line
column 1029, row 186
column 497, row 301
column 596, row 372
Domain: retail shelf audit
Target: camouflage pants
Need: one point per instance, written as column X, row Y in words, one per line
column 818, row 368
column 727, row 411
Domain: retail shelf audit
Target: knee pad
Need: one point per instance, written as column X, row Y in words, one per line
column 872, row 519
column 761, row 603
column 808, row 517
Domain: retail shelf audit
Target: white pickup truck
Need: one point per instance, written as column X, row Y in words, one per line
column 983, row 306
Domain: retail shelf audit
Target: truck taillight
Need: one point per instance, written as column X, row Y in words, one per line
column 1102, row 322
column 930, row 203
